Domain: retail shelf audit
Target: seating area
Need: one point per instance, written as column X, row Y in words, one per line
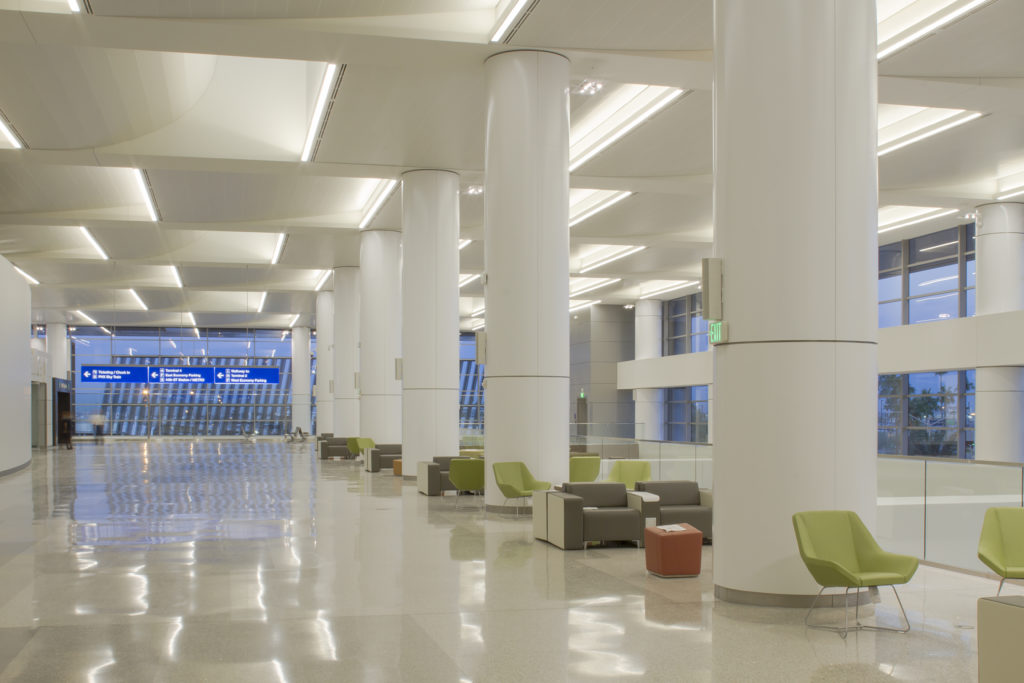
column 515, row 480
column 467, row 476
column 681, row 502
column 1001, row 546
column 629, row 472
column 383, row 455
column 432, row 478
column 586, row 512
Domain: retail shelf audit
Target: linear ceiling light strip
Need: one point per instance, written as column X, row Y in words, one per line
column 278, row 249
column 614, row 257
column 9, row 133
column 385, row 189
column 322, row 110
column 94, row 243
column 322, row 281
column 933, row 25
column 84, row 316
column 915, row 221
column 593, row 287
column 585, row 304
column 929, row 133
column 513, row 20
column 669, row 288
column 263, row 300
column 142, row 179
column 139, row 299
column 606, row 204
column 25, row 275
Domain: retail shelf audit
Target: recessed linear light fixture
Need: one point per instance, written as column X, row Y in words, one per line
column 177, row 277
column 601, row 206
column 195, row 331
column 641, row 103
column 295, row 319
column 94, row 243
column 84, row 316
column 914, row 221
column 668, row 288
column 139, row 299
column 263, row 300
column 191, row 318
column 26, row 275
column 623, row 253
column 508, row 20
column 384, row 190
column 318, row 110
column 1010, row 192
column 582, row 305
column 322, row 281
column 960, row 120
column 935, row 24
column 590, row 288
column 478, row 326
column 74, row 6
column 8, row 132
column 107, row 331
column 278, row 249
column 466, row 279
column 142, row 181
column 464, row 243
column 478, row 312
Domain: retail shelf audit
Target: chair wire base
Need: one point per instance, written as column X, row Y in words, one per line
column 846, row 628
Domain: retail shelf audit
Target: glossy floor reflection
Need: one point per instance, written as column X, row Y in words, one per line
column 225, row 561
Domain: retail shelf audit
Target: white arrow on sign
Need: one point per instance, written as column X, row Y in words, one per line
column 155, row 374
column 220, row 374
column 87, row 373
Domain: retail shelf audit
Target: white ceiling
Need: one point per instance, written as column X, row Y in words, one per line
column 213, row 101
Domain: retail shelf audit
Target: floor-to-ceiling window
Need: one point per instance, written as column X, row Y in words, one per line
column 149, row 408
column 686, row 414
column 685, row 330
column 471, row 386
column 927, row 413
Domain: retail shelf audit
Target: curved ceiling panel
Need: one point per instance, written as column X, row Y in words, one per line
column 62, row 97
column 294, row 9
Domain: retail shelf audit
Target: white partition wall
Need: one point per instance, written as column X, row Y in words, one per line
column 526, row 259
column 999, row 390
column 325, row 362
column 346, row 351
column 650, row 403
column 430, row 316
column 796, row 229
column 16, row 369
column 380, row 334
column 300, row 380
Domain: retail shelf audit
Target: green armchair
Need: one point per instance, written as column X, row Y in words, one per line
column 466, row 475
column 584, row 467
column 515, row 481
column 629, row 472
column 357, row 445
column 1001, row 546
column 840, row 552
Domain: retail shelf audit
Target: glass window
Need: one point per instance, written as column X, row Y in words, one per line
column 890, row 287
column 934, row 246
column 934, row 278
column 932, row 308
column 890, row 314
column 890, row 256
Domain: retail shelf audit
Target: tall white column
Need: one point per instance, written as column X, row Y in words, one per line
column 325, row 363
column 346, row 351
column 301, row 417
column 430, row 316
column 526, row 259
column 999, row 391
column 58, row 360
column 380, row 330
column 795, row 208
column 649, row 411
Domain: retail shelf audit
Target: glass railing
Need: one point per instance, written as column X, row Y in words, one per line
column 933, row 507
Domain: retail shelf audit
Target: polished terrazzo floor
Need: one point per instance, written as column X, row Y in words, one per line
column 226, row 561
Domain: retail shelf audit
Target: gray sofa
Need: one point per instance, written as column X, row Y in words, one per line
column 383, row 455
column 681, row 501
column 588, row 511
column 432, row 477
column 334, row 447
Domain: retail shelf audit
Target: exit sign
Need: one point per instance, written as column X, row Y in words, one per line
column 718, row 332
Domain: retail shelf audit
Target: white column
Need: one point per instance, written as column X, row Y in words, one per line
column 325, row 364
column 380, row 330
column 58, row 360
column 300, row 379
column 526, row 259
column 346, row 351
column 649, row 411
column 430, row 316
column 999, row 391
column 795, row 208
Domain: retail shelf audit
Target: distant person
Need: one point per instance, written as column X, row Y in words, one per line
column 98, row 420
column 64, row 429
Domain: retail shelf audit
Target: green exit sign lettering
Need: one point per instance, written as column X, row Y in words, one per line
column 718, row 332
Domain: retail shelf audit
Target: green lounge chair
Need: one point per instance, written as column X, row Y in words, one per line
column 515, row 481
column 840, row 552
column 584, row 467
column 466, row 475
column 1001, row 546
column 629, row 472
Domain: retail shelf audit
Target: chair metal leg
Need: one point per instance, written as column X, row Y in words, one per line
column 846, row 628
column 1001, row 582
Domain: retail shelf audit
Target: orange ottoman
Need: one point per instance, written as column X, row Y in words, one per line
column 397, row 467
column 673, row 553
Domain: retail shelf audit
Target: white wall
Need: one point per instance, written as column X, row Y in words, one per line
column 965, row 343
column 15, row 368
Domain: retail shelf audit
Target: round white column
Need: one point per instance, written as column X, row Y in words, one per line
column 999, row 391
column 325, row 364
column 346, row 351
column 430, row 316
column 649, row 404
column 380, row 330
column 300, row 380
column 526, row 259
column 795, row 207
column 58, row 359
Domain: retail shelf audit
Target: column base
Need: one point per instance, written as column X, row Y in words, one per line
column 741, row 597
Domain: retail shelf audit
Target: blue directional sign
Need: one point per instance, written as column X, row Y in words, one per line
column 248, row 375
column 180, row 374
column 130, row 374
